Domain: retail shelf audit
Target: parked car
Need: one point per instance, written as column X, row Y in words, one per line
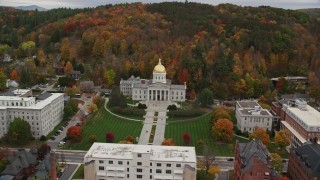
column 53, row 138
column 230, row 159
column 61, row 129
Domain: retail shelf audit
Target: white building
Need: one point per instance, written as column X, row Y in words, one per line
column 42, row 113
column 302, row 120
column 251, row 116
column 159, row 88
column 126, row 85
column 130, row 161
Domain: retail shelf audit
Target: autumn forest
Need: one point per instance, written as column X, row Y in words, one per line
column 232, row 50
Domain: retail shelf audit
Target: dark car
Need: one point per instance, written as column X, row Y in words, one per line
column 61, row 129
column 56, row 134
column 78, row 124
column 230, row 159
column 53, row 138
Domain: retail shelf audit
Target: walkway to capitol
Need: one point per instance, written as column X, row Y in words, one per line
column 155, row 122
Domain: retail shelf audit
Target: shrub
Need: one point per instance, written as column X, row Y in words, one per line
column 43, row 138
column 142, row 106
column 185, row 113
column 172, row 107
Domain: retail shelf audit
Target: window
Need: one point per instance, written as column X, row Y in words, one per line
column 101, row 168
column 168, row 171
column 120, row 162
column 127, row 175
column 127, row 162
column 139, row 155
column 127, row 169
column 150, row 170
column 178, row 165
column 139, row 163
column 139, row 176
column 150, row 176
column 139, row 170
column 158, row 171
column 150, row 164
column 168, row 165
column 159, row 164
column 110, row 162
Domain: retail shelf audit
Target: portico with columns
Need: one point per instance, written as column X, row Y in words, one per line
column 159, row 88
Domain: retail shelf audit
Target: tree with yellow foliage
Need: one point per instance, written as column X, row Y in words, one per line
column 92, row 108
column 282, row 138
column 262, row 135
column 168, row 142
column 68, row 68
column 214, row 170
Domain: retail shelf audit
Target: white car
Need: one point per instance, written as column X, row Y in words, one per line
column 62, row 142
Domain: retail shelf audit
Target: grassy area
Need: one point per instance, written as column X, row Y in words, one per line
column 199, row 129
column 231, row 175
column 102, row 123
column 80, row 173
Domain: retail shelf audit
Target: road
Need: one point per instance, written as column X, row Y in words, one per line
column 68, row 171
column 74, row 120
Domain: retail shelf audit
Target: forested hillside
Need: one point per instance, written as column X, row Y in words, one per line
column 232, row 50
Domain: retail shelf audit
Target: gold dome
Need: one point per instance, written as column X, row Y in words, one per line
column 159, row 68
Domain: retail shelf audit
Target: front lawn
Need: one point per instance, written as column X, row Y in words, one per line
column 102, row 123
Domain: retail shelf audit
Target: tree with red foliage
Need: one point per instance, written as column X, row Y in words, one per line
column 130, row 138
column 74, row 133
column 14, row 75
column 183, row 76
column 43, row 150
column 109, row 137
column 186, row 138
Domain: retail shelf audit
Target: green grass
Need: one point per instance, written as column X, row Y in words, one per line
column 199, row 129
column 102, row 123
column 231, row 174
column 80, row 173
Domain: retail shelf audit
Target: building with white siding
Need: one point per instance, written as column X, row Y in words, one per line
column 135, row 162
column 159, row 88
column 251, row 116
column 42, row 113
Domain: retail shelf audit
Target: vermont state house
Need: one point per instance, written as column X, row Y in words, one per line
column 159, row 88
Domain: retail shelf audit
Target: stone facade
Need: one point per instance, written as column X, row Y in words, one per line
column 159, row 88
column 42, row 114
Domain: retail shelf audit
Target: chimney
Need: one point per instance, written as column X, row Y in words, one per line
column 53, row 165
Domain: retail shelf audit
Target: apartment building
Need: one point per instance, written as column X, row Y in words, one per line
column 135, row 162
column 251, row 116
column 43, row 113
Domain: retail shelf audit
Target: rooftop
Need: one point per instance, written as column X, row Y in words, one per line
column 247, row 104
column 309, row 156
column 262, row 112
column 308, row 115
column 157, row 153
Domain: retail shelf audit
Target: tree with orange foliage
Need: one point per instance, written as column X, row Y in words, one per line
column 220, row 113
column 262, row 135
column 222, row 130
column 14, row 75
column 168, row 142
column 68, row 68
column 74, row 133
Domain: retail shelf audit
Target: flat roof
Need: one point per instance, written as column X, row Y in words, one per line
column 158, row 153
column 248, row 104
column 252, row 112
column 310, row 116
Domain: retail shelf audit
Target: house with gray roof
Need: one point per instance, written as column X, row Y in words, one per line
column 252, row 161
column 21, row 164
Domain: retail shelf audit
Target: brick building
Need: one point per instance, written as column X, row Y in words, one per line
column 252, row 162
column 304, row 162
column 302, row 120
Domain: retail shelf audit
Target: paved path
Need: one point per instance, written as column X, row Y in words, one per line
column 160, row 129
column 131, row 119
column 69, row 170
